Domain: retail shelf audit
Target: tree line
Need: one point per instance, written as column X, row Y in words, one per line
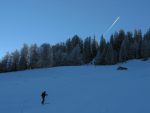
column 121, row 47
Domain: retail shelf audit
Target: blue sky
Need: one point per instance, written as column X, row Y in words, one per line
column 52, row 21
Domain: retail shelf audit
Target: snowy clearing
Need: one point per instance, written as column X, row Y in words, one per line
column 78, row 89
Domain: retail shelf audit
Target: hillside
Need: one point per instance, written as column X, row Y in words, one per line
column 78, row 89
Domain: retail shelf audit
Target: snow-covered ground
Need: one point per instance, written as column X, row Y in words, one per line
column 78, row 89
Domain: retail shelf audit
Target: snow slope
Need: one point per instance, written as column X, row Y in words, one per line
column 78, row 89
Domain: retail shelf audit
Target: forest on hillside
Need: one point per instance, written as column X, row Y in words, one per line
column 121, row 47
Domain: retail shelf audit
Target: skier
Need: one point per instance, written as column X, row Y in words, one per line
column 43, row 95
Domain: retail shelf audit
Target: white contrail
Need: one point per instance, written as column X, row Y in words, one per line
column 111, row 26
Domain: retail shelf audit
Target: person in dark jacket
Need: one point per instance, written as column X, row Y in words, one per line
column 43, row 95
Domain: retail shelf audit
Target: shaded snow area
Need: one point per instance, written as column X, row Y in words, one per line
column 78, row 89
